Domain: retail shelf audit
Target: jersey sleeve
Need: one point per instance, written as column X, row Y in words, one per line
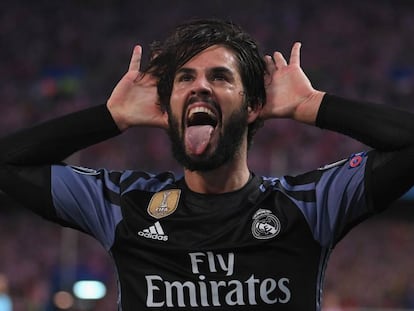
column 345, row 193
column 332, row 199
column 341, row 198
column 32, row 158
column 87, row 200
column 389, row 131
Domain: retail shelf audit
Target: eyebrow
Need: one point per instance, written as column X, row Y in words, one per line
column 184, row 70
column 222, row 70
column 218, row 69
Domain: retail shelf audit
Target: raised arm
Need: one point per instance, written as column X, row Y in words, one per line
column 27, row 156
column 133, row 102
column 389, row 131
column 290, row 94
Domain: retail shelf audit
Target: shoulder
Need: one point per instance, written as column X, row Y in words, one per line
column 125, row 180
column 144, row 181
column 343, row 169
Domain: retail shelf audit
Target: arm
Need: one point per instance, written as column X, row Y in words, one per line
column 53, row 141
column 26, row 157
column 291, row 95
column 389, row 131
column 133, row 102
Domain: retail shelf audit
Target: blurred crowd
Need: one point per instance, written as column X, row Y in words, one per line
column 62, row 56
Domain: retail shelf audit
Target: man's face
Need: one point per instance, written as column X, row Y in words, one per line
column 207, row 114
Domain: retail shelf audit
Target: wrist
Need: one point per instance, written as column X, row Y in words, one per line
column 307, row 111
column 117, row 117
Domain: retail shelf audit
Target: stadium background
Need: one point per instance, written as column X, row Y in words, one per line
column 61, row 56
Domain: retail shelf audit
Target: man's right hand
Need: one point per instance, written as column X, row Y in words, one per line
column 134, row 101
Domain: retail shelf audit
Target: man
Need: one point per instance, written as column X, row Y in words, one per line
column 220, row 237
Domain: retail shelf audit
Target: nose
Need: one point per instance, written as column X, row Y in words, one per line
column 201, row 86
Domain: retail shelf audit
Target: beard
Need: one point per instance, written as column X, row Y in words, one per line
column 228, row 145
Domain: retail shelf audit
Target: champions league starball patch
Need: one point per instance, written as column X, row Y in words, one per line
column 265, row 225
column 355, row 160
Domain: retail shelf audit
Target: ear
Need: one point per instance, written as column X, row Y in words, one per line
column 165, row 120
column 253, row 112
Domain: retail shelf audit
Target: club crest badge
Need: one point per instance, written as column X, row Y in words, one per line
column 164, row 203
column 265, row 225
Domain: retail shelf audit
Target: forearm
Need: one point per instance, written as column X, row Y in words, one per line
column 389, row 176
column 55, row 140
column 26, row 156
column 378, row 126
column 389, row 131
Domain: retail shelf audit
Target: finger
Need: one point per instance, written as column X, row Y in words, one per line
column 270, row 65
column 270, row 69
column 280, row 61
column 295, row 54
column 135, row 59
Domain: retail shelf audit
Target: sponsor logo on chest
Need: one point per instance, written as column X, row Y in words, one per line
column 215, row 283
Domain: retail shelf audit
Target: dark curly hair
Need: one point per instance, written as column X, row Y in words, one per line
column 191, row 38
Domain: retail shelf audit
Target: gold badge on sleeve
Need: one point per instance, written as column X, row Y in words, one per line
column 164, row 203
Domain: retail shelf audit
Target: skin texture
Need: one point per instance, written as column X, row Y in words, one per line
column 134, row 102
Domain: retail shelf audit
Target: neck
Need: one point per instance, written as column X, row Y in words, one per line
column 226, row 178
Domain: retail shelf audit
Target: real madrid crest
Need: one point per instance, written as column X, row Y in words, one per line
column 164, row 203
column 265, row 225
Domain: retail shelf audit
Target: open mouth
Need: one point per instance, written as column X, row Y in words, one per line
column 201, row 115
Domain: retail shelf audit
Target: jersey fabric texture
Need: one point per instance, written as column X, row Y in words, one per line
column 263, row 247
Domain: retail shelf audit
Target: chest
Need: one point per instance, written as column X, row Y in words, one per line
column 249, row 254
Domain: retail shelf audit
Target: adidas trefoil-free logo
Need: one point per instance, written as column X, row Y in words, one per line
column 154, row 232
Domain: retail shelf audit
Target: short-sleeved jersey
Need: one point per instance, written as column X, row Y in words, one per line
column 263, row 247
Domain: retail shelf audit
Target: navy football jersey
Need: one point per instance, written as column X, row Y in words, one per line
column 263, row 247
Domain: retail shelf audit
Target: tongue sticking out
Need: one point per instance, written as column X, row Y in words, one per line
column 197, row 138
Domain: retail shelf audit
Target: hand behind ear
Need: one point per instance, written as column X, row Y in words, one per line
column 134, row 100
column 287, row 86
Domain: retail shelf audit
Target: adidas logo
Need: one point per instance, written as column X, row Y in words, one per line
column 154, row 232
